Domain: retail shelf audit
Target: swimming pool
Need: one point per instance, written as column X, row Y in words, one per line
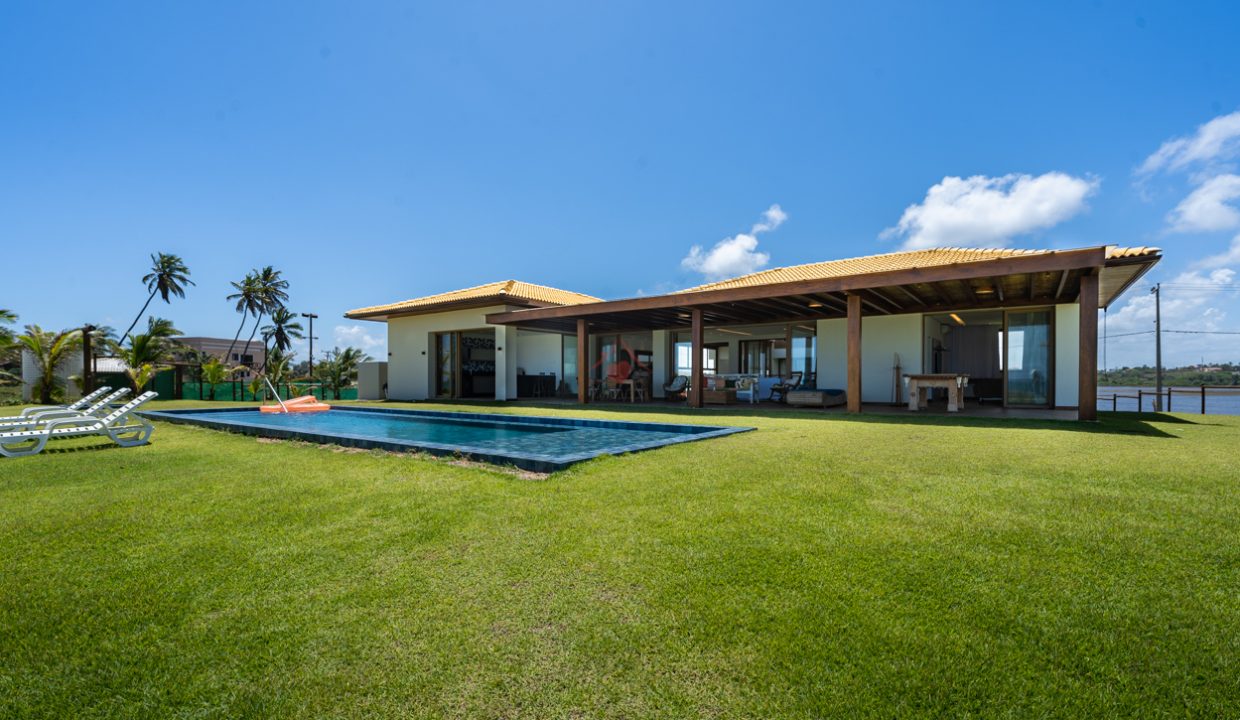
column 540, row 444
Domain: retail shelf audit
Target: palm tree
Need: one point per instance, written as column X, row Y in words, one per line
column 278, row 368
column 103, row 340
column 168, row 277
column 147, row 351
column 272, row 294
column 338, row 369
column 249, row 300
column 7, row 317
column 51, row 352
column 214, row 373
column 141, row 375
column 7, row 343
column 281, row 333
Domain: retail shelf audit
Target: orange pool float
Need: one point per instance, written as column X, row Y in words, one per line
column 303, row 404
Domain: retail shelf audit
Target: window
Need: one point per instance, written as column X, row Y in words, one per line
column 684, row 359
column 1016, row 349
column 805, row 356
column 756, row 357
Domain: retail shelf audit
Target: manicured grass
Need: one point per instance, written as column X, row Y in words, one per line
column 819, row 567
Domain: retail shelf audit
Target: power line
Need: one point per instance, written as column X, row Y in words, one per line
column 1181, row 332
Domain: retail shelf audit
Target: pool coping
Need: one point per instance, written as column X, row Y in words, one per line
column 534, row 462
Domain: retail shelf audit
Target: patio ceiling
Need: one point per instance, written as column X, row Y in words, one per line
column 1012, row 281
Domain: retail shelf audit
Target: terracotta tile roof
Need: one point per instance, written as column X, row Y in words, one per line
column 887, row 262
column 498, row 291
column 1114, row 252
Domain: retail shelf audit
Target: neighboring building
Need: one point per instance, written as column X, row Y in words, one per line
column 1021, row 323
column 254, row 357
column 114, row 372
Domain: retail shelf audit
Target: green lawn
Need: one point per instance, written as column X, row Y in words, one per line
column 819, row 567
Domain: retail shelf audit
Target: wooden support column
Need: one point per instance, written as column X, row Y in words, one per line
column 1087, row 383
column 788, row 351
column 697, row 342
column 583, row 362
column 854, row 353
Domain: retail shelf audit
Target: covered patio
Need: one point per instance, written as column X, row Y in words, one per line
column 889, row 298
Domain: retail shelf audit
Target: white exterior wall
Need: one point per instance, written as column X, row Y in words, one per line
column 662, row 361
column 1067, row 350
column 370, row 379
column 505, row 362
column 409, row 358
column 539, row 353
column 882, row 338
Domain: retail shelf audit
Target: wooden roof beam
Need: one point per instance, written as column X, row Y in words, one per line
column 968, row 290
column 1063, row 281
column 887, row 300
column 911, row 295
column 938, row 294
column 830, row 301
column 866, row 301
column 1014, row 265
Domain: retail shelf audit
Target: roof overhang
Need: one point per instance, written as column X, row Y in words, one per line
column 1013, row 281
column 471, row 303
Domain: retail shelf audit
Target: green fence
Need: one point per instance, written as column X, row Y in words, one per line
column 241, row 391
column 165, row 383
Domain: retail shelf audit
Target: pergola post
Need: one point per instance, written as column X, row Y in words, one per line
column 697, row 341
column 583, row 362
column 1087, row 382
column 854, row 353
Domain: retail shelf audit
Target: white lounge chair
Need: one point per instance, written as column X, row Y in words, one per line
column 122, row 426
column 82, row 402
column 99, row 409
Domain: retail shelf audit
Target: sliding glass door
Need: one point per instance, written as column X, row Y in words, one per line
column 1027, row 361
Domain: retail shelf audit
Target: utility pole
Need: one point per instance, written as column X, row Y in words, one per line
column 1158, row 385
column 88, row 368
column 311, row 316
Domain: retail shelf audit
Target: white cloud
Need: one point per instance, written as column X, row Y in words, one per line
column 736, row 255
column 987, row 211
column 1195, row 300
column 1183, row 308
column 1230, row 256
column 1206, row 208
column 772, row 217
column 1217, row 140
column 374, row 344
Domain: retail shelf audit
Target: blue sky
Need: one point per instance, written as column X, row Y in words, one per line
column 378, row 151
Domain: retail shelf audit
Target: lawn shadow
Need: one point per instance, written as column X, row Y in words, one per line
column 61, row 449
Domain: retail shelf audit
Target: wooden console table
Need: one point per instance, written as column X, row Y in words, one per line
column 919, row 384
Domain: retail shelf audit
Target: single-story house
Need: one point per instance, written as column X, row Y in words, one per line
column 1021, row 324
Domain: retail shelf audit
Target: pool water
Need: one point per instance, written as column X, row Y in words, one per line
column 542, row 444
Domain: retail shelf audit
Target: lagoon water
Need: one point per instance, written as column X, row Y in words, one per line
column 1183, row 400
